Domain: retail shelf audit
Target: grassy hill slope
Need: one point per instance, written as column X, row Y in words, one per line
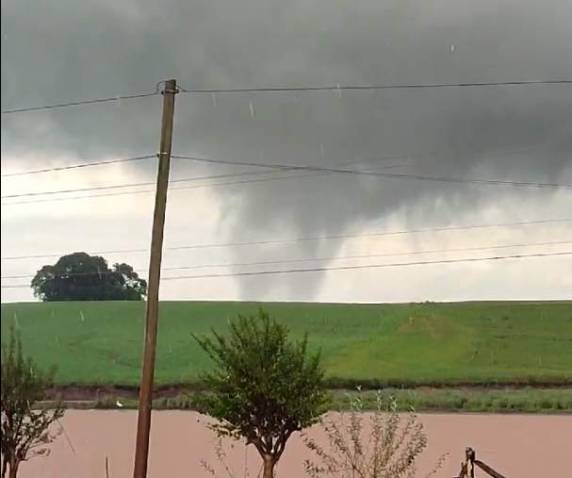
column 432, row 343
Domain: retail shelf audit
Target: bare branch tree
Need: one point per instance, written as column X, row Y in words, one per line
column 380, row 444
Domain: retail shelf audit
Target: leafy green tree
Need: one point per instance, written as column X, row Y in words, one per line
column 25, row 431
column 79, row 276
column 264, row 387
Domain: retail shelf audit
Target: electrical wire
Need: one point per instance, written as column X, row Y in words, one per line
column 138, row 158
column 280, row 89
column 347, row 268
column 78, row 166
column 73, row 198
column 416, row 177
column 29, row 109
column 125, row 185
column 369, row 256
column 284, row 89
column 320, row 259
column 280, row 168
column 186, row 188
column 310, row 238
column 248, row 181
column 368, row 266
column 210, row 185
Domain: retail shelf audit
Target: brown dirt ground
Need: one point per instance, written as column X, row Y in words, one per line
column 519, row 446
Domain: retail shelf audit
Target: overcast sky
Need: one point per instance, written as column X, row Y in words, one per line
column 69, row 50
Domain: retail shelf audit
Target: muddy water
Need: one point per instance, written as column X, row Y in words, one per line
column 519, row 446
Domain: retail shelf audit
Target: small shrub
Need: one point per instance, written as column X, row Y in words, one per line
column 381, row 444
column 517, row 404
column 25, row 431
column 545, row 403
column 106, row 402
column 474, row 405
column 161, row 403
column 565, row 404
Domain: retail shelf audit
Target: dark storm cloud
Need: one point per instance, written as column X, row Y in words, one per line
column 71, row 50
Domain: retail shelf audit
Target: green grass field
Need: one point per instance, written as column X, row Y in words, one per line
column 480, row 343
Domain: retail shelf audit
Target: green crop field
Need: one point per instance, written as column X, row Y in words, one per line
column 430, row 343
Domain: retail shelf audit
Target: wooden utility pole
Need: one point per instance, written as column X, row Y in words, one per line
column 152, row 310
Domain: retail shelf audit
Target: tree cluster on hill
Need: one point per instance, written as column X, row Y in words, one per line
column 79, row 276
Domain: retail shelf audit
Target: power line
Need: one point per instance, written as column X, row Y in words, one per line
column 119, row 186
column 346, row 268
column 281, row 168
column 125, row 185
column 78, row 166
column 310, row 238
column 248, row 181
column 67, row 274
column 73, row 198
column 372, row 234
column 369, row 256
column 138, row 158
column 494, row 182
column 369, row 266
column 320, row 259
column 210, row 185
column 81, row 102
column 285, row 89
column 280, row 89
column 147, row 191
